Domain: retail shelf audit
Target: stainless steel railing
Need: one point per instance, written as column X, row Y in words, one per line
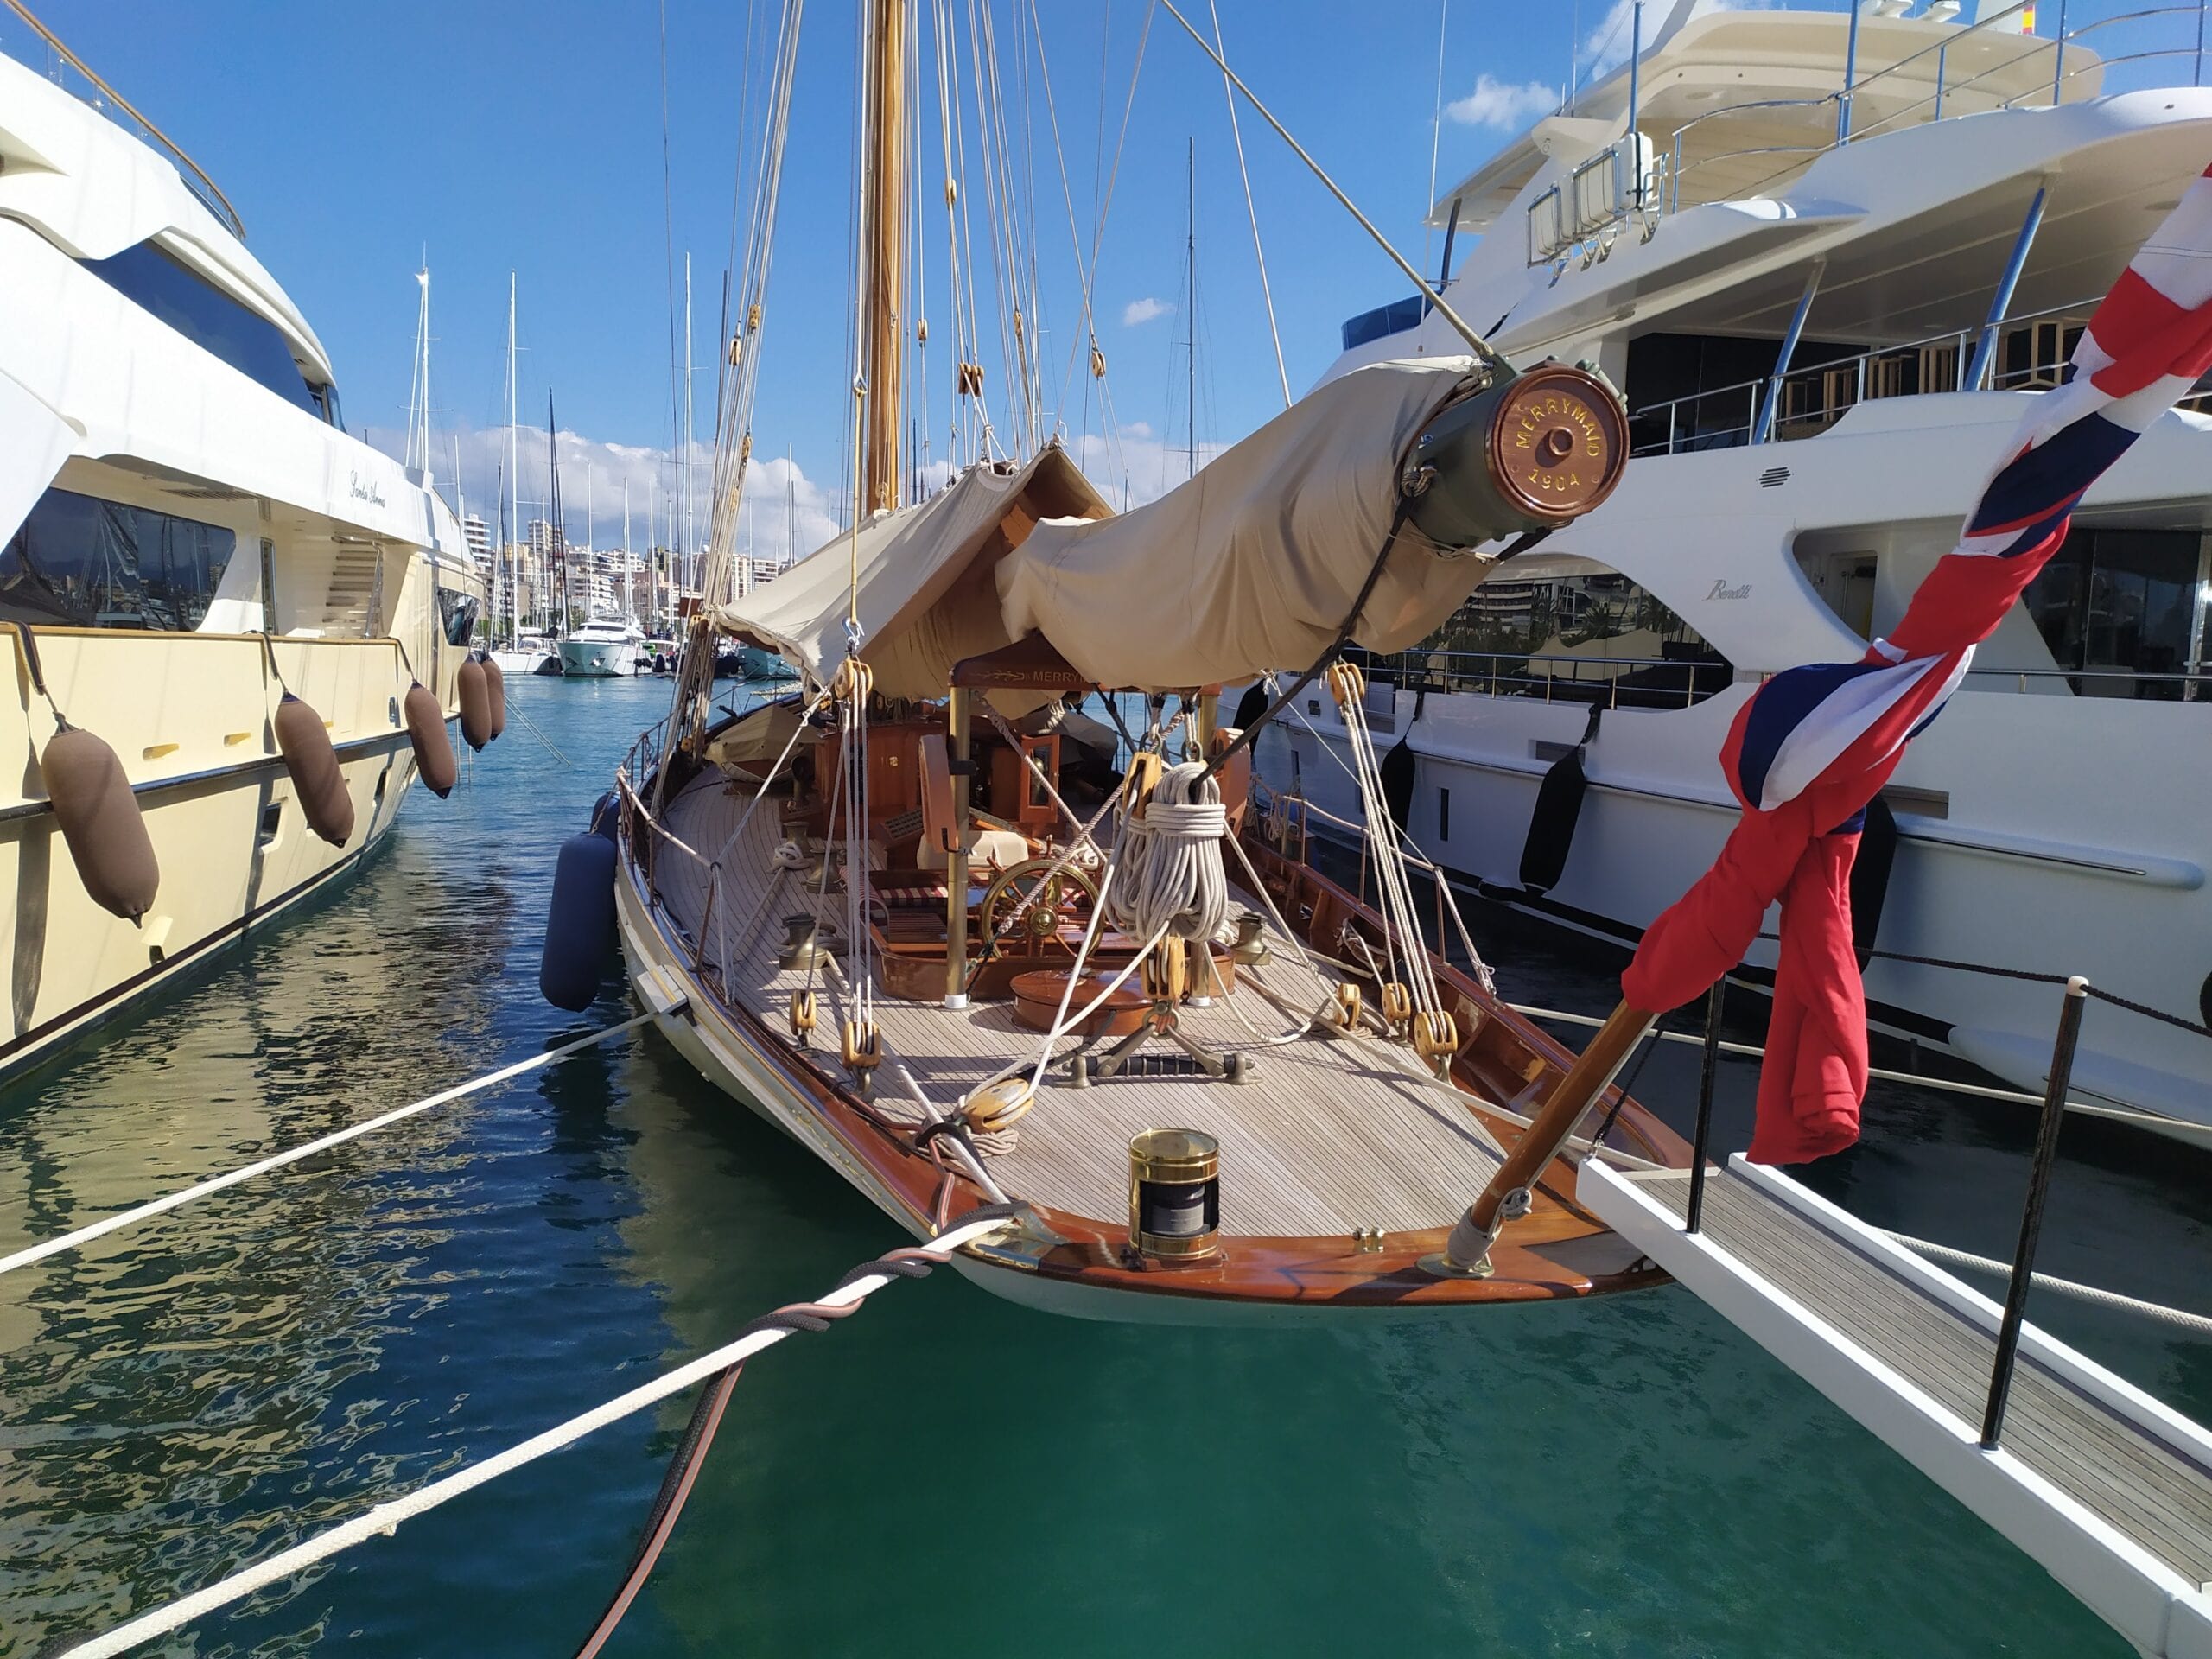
column 1687, row 427
column 195, row 178
column 2175, row 34
column 1613, row 680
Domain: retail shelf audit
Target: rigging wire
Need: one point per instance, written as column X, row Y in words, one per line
column 1481, row 348
column 1106, row 203
column 964, row 329
column 1435, row 131
column 1075, row 243
column 1236, row 133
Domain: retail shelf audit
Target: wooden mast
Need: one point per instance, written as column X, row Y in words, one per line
column 884, row 191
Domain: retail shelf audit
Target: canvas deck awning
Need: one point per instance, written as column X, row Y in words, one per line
column 1254, row 564
column 925, row 595
column 1249, row 567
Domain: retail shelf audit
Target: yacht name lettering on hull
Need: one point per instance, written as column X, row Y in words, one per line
column 1722, row 590
column 371, row 493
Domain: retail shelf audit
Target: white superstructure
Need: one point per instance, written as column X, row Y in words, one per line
column 605, row 647
column 189, row 534
column 1824, row 307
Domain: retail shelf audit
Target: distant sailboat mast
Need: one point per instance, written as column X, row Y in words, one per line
column 514, row 503
column 690, row 423
column 629, row 588
column 556, row 541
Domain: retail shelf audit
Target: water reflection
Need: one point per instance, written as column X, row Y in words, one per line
column 1630, row 1478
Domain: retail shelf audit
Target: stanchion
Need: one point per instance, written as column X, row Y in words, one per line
column 1715, row 1005
column 2024, row 1259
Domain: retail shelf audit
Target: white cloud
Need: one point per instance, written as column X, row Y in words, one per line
column 1144, row 310
column 782, row 509
column 1494, row 103
column 1131, row 467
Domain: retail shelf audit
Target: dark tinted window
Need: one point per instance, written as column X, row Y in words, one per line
column 2116, row 603
column 207, row 316
column 90, row 564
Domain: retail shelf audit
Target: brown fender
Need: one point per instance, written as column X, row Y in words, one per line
column 100, row 821
column 473, row 690
column 497, row 684
column 318, row 783
column 426, row 728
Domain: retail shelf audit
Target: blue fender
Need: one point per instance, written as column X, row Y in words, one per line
column 580, row 924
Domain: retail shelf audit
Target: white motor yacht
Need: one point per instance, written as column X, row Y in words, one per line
column 189, row 542
column 604, row 648
column 1827, row 254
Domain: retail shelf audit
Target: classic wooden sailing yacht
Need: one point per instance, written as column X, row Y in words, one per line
column 913, row 918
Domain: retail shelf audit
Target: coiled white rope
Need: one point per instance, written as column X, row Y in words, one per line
column 85, row 1235
column 386, row 1517
column 1172, row 880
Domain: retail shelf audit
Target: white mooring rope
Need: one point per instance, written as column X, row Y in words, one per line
column 386, row 1517
column 24, row 1258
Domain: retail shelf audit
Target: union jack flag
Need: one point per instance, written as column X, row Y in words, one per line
column 1816, row 744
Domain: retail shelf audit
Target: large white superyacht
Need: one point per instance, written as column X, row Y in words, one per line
column 199, row 567
column 1825, row 253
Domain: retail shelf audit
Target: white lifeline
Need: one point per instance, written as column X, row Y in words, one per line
column 190, row 531
column 1799, row 466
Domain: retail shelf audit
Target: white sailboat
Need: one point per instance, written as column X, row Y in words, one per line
column 1827, row 256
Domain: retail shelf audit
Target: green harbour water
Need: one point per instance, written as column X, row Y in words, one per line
column 945, row 1473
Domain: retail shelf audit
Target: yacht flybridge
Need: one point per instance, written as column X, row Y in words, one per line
column 235, row 630
column 1826, row 255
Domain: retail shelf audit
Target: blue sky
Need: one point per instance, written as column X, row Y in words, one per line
column 353, row 139
column 529, row 136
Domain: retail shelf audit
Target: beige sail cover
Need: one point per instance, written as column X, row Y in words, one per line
column 926, row 595
column 1254, row 564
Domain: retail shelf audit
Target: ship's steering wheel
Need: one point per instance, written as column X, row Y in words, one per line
column 1028, row 904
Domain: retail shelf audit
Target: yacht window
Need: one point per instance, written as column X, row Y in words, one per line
column 457, row 611
column 326, row 403
column 1568, row 629
column 1384, row 321
column 163, row 284
column 2118, row 609
column 80, row 561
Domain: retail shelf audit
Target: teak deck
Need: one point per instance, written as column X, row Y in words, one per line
column 1343, row 1164
column 1331, row 1136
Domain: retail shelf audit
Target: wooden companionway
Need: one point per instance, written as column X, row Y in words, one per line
column 2108, row 1489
